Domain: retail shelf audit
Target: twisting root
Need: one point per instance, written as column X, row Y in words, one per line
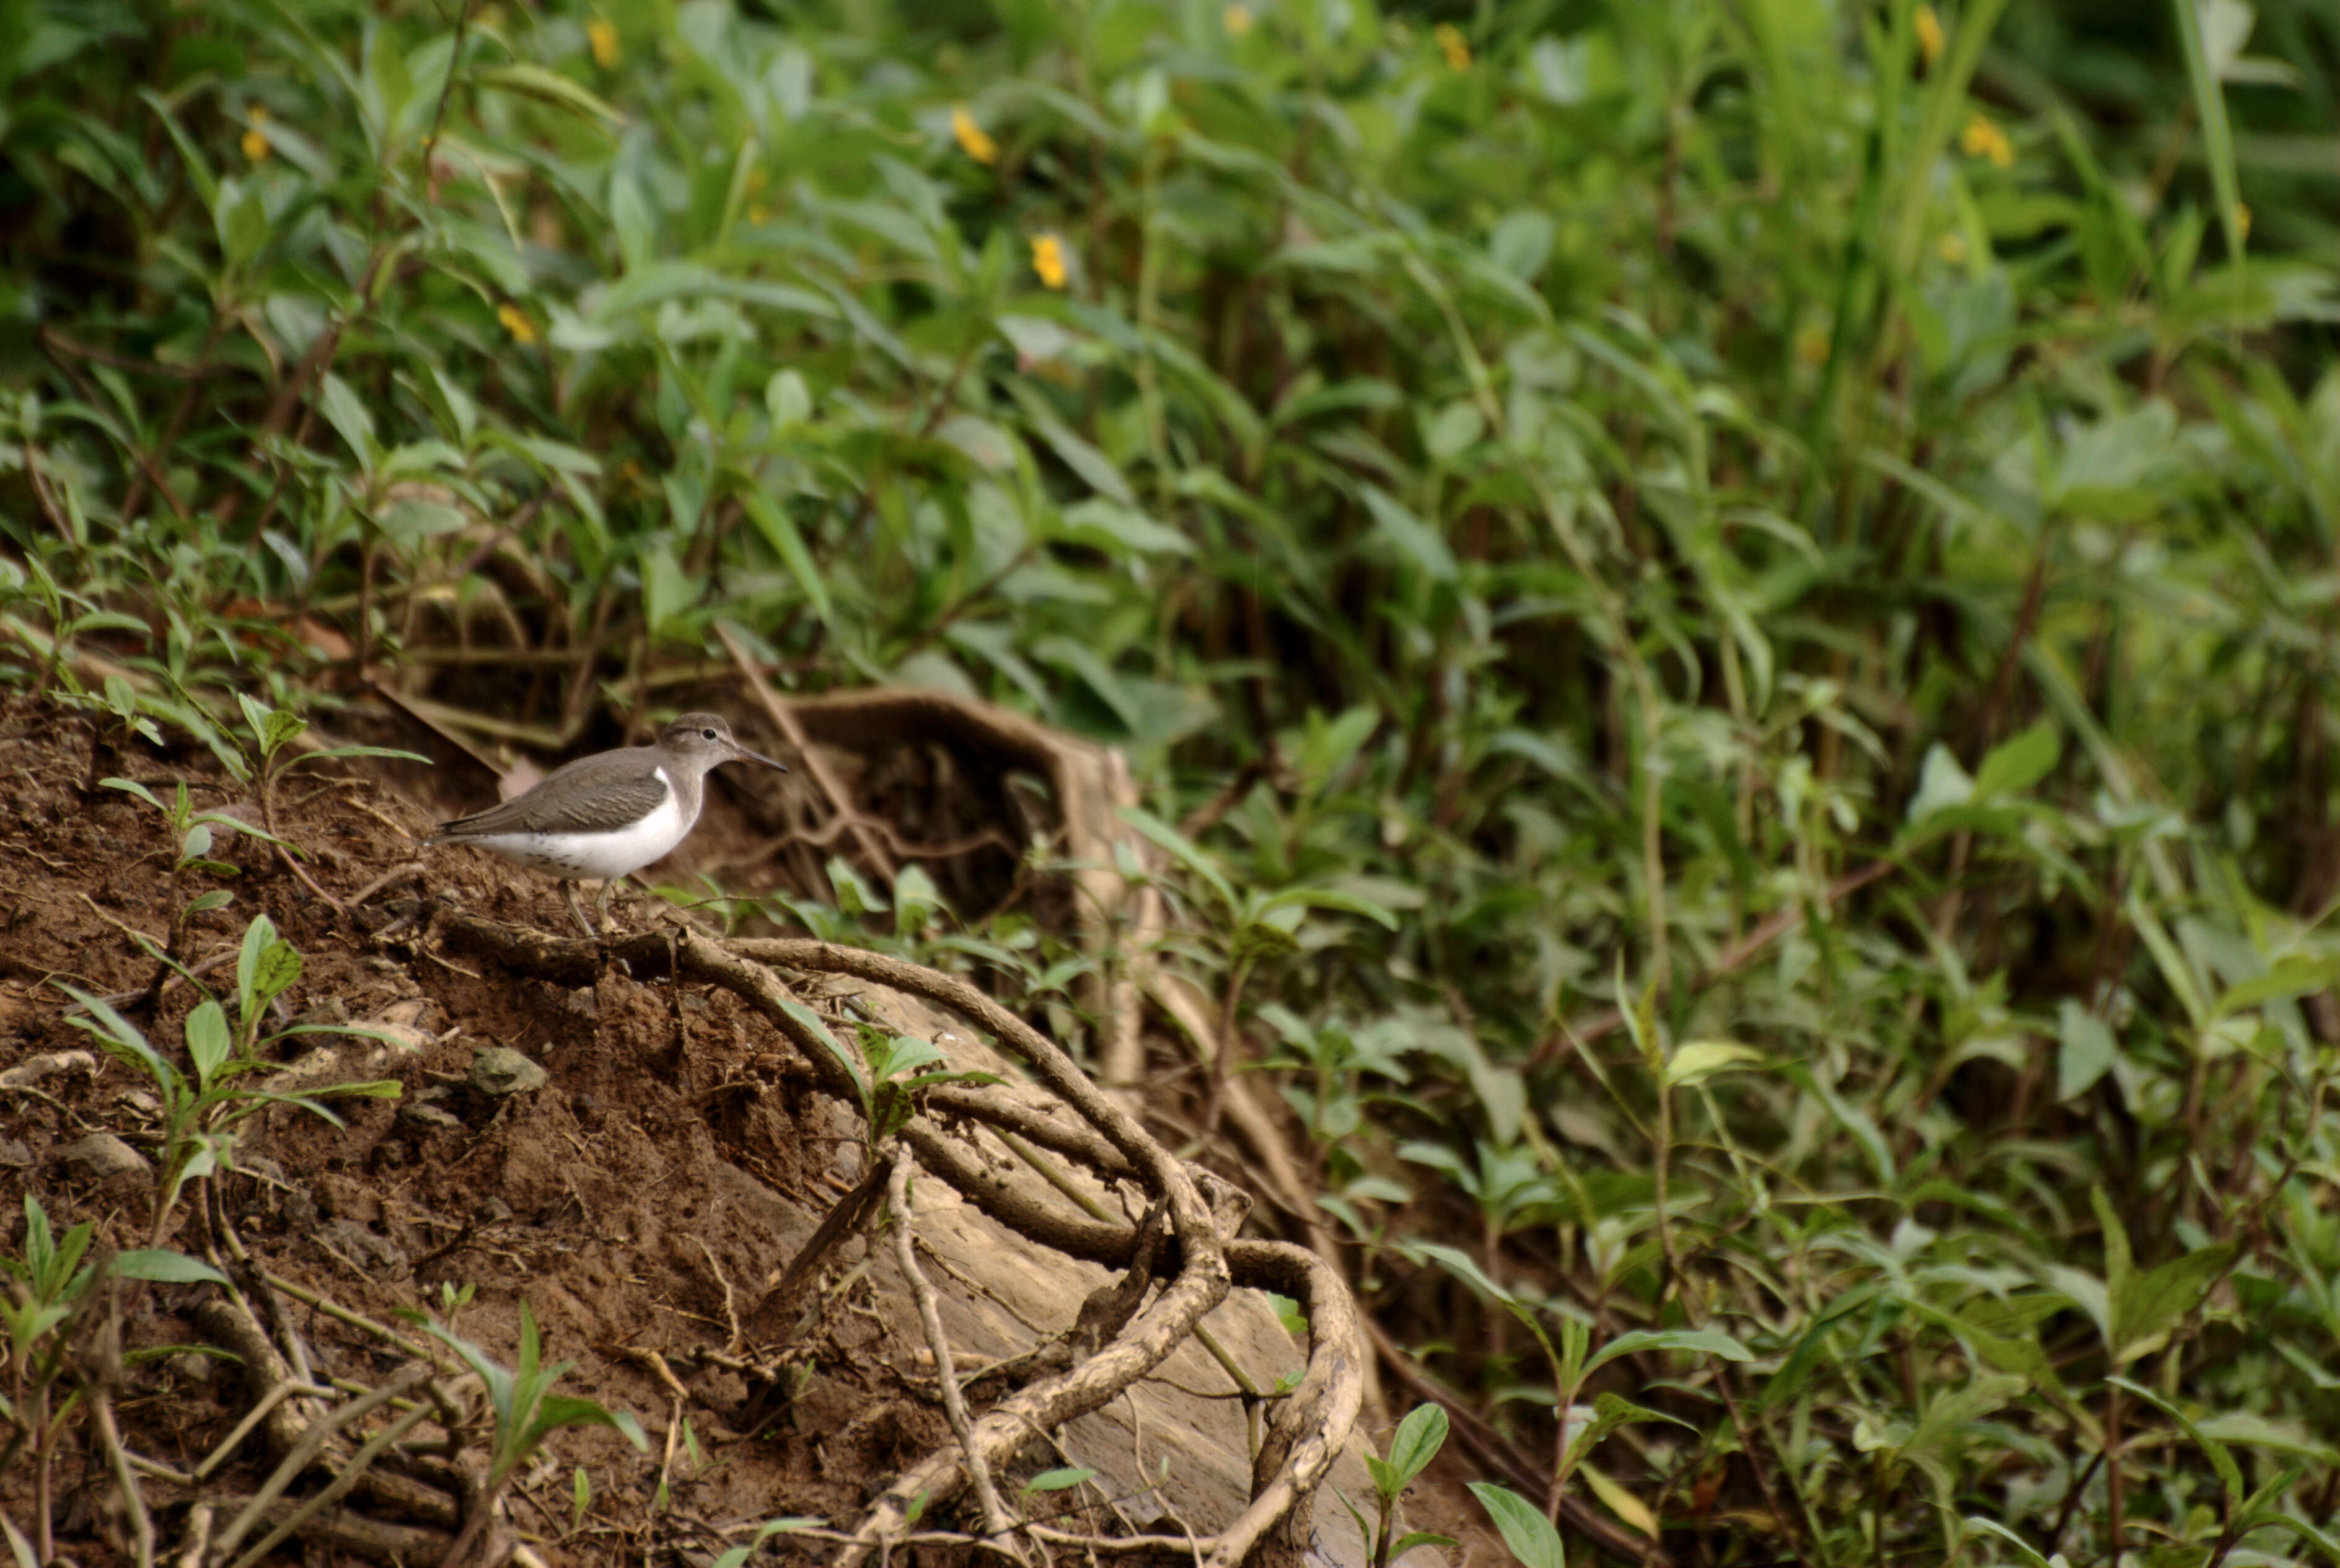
column 1194, row 1258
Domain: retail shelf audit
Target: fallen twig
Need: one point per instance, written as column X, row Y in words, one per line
column 995, row 1521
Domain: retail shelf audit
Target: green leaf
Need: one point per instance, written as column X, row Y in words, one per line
column 2015, row 765
column 551, row 88
column 133, row 787
column 1346, row 902
column 1610, row 1412
column 2297, row 975
column 1417, row 542
column 1703, row 1059
column 209, row 1043
column 1060, row 1480
column 2145, row 1306
column 163, row 1267
column 2085, row 1051
column 779, row 531
column 1184, row 852
column 2230, row 1475
column 1705, row 1341
column 347, row 414
column 1529, row 1536
column 738, row 1556
column 1416, row 1442
column 2023, row 1548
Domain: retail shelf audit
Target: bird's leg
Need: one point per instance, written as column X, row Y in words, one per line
column 608, row 887
column 568, row 891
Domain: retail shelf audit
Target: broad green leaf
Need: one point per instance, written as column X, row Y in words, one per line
column 1700, row 1060
column 209, row 1043
column 2298, row 974
column 779, row 531
column 2015, row 765
column 2230, row 1475
column 347, row 413
column 1529, row 1534
column 1184, row 853
column 1416, row 1442
column 550, row 87
column 1417, row 543
column 2085, row 1051
column 166, row 1268
column 1705, row 1341
column 1610, row 1412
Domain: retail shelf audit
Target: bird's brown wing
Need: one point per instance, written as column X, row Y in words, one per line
column 620, row 787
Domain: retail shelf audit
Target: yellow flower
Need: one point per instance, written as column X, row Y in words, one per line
column 2242, row 222
column 973, row 140
column 255, row 140
column 602, row 34
column 1952, row 248
column 1813, row 345
column 1048, row 258
column 1929, row 35
column 758, row 213
column 1982, row 138
column 1458, row 48
column 1236, row 19
column 522, row 330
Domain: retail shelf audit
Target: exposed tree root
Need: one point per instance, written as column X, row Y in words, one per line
column 1192, row 1256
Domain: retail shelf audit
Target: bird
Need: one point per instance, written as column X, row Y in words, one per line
column 609, row 814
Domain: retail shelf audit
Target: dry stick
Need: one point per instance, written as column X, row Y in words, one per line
column 109, row 1437
column 334, row 1490
column 197, row 1540
column 753, row 677
column 311, row 1444
column 229, row 1322
column 996, row 1525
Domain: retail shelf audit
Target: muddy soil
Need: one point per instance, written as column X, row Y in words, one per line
column 639, row 1200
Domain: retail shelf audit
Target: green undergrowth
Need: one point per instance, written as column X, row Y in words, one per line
column 1725, row 610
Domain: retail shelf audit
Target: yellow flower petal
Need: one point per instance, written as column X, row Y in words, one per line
column 1048, row 260
column 1813, row 345
column 1982, row 138
column 1236, row 19
column 1951, row 248
column 1929, row 35
column 973, row 140
column 602, row 34
column 522, row 330
column 255, row 145
column 1458, row 48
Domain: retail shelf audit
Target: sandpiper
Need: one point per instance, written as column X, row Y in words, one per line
column 604, row 816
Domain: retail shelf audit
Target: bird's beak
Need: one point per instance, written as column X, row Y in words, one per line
column 744, row 755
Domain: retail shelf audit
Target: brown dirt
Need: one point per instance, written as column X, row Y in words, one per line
column 603, row 1201
column 641, row 1201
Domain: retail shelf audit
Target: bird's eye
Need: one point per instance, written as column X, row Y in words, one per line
column 706, row 735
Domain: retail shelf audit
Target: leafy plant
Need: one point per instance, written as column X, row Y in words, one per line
column 523, row 1409
column 1415, row 1443
column 202, row 1109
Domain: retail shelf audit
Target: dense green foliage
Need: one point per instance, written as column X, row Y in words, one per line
column 1785, row 543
